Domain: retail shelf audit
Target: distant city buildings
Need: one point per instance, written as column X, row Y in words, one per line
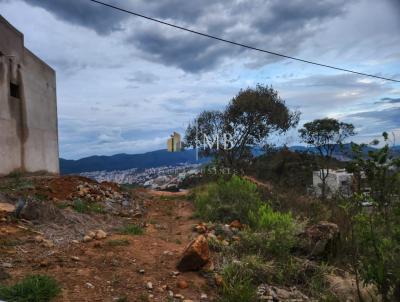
column 174, row 143
column 151, row 177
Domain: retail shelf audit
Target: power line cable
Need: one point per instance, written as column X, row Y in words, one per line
column 242, row 45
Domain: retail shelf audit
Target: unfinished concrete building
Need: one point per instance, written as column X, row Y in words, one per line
column 28, row 108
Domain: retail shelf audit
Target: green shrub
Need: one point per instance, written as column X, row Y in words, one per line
column 237, row 285
column 265, row 218
column 227, row 200
column 80, row 206
column 274, row 232
column 132, row 229
column 34, row 288
column 255, row 268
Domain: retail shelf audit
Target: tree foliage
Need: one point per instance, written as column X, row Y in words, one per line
column 374, row 212
column 325, row 135
column 250, row 117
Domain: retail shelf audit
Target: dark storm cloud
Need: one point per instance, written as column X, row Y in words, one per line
column 388, row 101
column 84, row 13
column 385, row 119
column 188, row 52
column 284, row 24
column 292, row 16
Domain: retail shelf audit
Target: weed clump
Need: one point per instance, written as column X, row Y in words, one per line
column 33, row 288
column 132, row 229
column 227, row 200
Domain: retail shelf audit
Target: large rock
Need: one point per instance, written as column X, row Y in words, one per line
column 195, row 256
column 344, row 289
column 321, row 239
column 6, row 207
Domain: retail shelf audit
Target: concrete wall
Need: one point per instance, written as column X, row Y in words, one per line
column 336, row 182
column 28, row 124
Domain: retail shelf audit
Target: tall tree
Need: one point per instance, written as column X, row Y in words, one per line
column 250, row 117
column 325, row 135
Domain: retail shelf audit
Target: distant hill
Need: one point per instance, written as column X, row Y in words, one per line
column 128, row 161
column 343, row 153
column 164, row 158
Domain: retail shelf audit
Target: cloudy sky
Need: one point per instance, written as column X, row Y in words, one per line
column 124, row 83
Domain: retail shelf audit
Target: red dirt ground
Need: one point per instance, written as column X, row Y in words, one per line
column 104, row 272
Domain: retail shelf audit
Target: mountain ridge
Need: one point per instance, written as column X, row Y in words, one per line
column 157, row 158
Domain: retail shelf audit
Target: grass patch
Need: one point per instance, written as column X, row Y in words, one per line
column 16, row 182
column 118, row 242
column 82, row 206
column 132, row 229
column 33, row 288
column 227, row 200
column 237, row 286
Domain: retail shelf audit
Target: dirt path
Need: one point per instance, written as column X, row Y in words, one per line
column 112, row 268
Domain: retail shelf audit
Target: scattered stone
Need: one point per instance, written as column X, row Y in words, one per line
column 44, row 263
column 345, row 289
column 6, row 265
column 179, row 296
column 7, row 207
column 141, row 271
column 75, row 258
column 149, row 285
column 182, row 284
column 100, row 234
column 195, row 256
column 89, row 285
column 209, row 267
column 87, row 238
column 201, row 228
column 269, row 293
column 91, row 234
column 75, row 241
column 175, row 273
column 236, row 225
column 39, row 238
column 218, row 280
column 320, row 239
column 47, row 243
column 211, row 236
column 203, row 297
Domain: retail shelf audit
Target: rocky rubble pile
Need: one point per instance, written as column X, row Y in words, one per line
column 109, row 196
column 269, row 293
